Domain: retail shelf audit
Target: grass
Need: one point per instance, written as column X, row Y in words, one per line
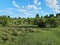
column 23, row 36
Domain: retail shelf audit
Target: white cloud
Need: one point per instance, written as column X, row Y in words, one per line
column 8, row 11
column 15, row 4
column 40, row 8
column 23, row 7
column 32, row 7
column 37, row 3
column 26, row 12
column 54, row 5
column 28, row 9
column 22, row 10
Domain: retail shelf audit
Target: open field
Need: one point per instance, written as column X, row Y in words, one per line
column 29, row 36
column 29, row 22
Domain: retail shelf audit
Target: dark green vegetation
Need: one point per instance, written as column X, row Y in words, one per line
column 30, row 31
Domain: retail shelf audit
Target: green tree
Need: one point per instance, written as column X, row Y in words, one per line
column 37, row 16
column 5, row 21
column 9, row 17
column 19, row 17
column 1, row 21
column 58, row 15
column 51, row 15
column 36, row 19
column 19, row 21
column 41, row 23
column 46, row 16
column 28, row 20
column 52, row 22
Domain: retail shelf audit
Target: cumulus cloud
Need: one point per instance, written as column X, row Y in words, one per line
column 28, row 9
column 54, row 5
column 15, row 4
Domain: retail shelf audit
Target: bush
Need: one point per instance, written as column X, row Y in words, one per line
column 5, row 21
column 41, row 24
column 52, row 22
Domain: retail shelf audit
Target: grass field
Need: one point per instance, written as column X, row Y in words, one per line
column 29, row 36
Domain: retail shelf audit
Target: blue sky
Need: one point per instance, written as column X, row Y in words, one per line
column 29, row 8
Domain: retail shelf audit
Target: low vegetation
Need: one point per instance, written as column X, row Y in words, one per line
column 30, row 31
column 29, row 36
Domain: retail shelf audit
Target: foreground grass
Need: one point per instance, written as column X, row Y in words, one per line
column 37, row 36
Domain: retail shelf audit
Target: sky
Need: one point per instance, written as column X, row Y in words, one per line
column 29, row 8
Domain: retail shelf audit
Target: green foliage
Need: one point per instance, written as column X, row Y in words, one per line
column 36, row 19
column 41, row 36
column 46, row 16
column 51, row 15
column 23, row 32
column 5, row 21
column 52, row 22
column 58, row 15
column 46, row 20
column 41, row 24
column 19, row 21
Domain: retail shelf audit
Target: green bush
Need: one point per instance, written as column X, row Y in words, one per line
column 41, row 24
column 52, row 22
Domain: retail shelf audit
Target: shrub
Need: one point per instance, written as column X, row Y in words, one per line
column 52, row 22
column 41, row 24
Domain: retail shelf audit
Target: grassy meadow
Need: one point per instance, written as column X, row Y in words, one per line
column 29, row 22
column 30, row 31
column 29, row 36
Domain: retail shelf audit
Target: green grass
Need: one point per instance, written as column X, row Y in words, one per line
column 22, row 36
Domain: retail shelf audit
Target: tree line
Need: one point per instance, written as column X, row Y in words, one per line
column 43, row 21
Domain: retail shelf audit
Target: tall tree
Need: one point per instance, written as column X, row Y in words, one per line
column 58, row 15
column 37, row 16
column 51, row 15
column 9, row 17
column 36, row 19
column 46, row 16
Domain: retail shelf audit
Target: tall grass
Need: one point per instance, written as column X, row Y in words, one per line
column 41, row 36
